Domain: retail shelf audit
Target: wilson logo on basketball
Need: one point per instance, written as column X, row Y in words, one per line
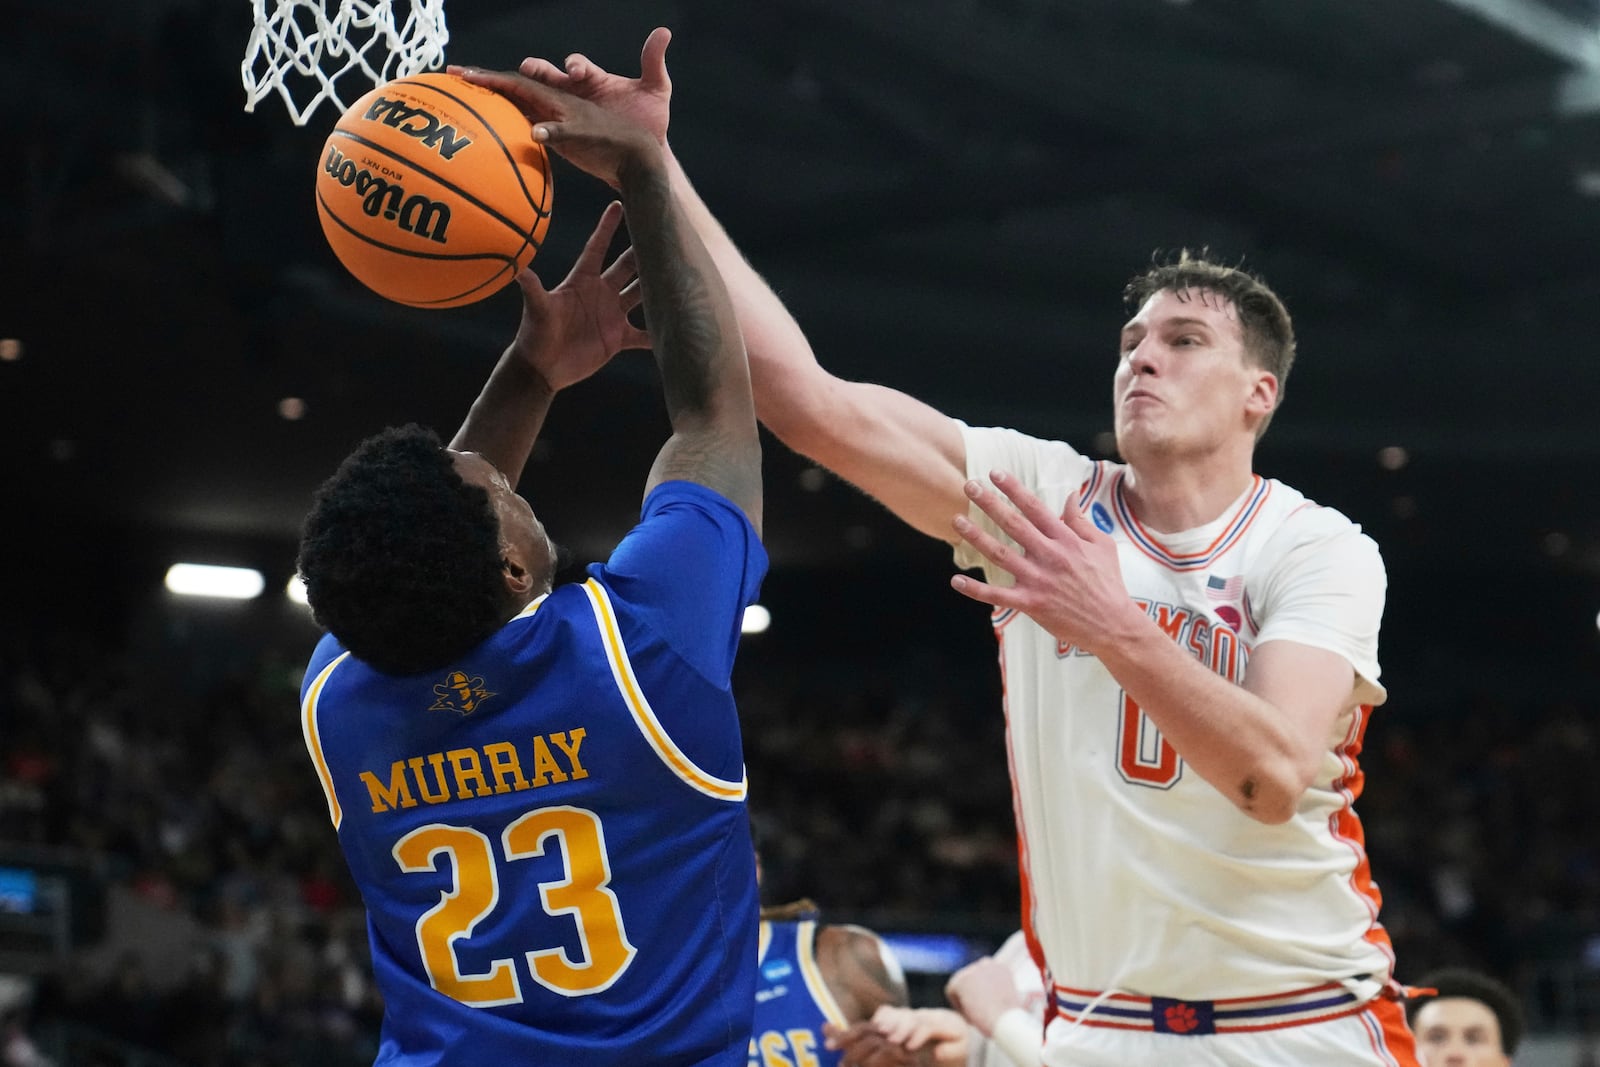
column 415, row 122
column 416, row 214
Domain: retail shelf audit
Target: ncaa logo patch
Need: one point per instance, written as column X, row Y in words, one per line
column 1101, row 517
column 776, row 970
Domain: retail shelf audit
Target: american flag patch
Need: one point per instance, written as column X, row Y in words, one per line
column 1223, row 589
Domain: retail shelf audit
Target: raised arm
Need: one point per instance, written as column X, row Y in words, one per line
column 694, row 334
column 697, row 345
column 903, row 452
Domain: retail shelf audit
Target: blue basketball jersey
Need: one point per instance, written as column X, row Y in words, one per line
column 550, row 834
column 792, row 1000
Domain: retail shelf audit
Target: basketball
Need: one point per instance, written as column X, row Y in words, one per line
column 432, row 191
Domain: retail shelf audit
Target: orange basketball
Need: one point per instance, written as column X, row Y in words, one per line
column 433, row 192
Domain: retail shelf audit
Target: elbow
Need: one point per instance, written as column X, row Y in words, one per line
column 1271, row 793
column 808, row 410
column 802, row 428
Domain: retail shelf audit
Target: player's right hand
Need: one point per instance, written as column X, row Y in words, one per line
column 645, row 100
column 604, row 143
column 569, row 332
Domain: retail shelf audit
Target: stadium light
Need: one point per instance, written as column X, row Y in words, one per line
column 756, row 620
column 296, row 591
column 205, row 579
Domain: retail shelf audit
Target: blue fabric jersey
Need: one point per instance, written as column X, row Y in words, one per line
column 792, row 1000
column 550, row 834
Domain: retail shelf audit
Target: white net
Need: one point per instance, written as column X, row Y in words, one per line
column 301, row 49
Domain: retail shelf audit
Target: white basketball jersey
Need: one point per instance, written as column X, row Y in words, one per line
column 1138, row 875
column 983, row 1052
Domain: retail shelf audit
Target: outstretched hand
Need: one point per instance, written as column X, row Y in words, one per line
column 569, row 332
column 937, row 1036
column 645, row 100
column 1067, row 577
column 592, row 138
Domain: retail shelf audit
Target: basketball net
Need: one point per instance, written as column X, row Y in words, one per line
column 299, row 47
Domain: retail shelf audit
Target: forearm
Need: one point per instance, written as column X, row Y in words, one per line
column 1240, row 743
column 697, row 345
column 691, row 319
column 505, row 419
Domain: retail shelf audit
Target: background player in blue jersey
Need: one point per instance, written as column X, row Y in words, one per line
column 540, row 792
column 812, row 975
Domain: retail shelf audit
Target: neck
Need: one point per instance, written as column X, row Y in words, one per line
column 518, row 604
column 1170, row 497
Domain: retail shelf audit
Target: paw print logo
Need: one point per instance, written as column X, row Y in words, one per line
column 1181, row 1018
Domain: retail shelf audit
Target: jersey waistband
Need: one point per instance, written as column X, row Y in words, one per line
column 1197, row 1018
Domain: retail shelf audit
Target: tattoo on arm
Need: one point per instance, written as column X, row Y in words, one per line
column 712, row 460
column 678, row 309
column 697, row 346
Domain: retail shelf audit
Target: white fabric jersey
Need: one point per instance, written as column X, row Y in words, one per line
column 981, row 1052
column 1138, row 875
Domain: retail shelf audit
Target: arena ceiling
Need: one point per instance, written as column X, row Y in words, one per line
column 949, row 194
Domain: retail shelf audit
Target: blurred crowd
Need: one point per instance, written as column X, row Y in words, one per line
column 879, row 788
column 198, row 802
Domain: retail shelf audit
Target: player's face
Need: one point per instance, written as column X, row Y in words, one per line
column 1458, row 1032
column 522, row 535
column 1183, row 385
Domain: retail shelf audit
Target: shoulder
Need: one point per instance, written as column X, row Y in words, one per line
column 860, row 969
column 987, row 444
column 1304, row 524
column 1053, row 470
column 327, row 652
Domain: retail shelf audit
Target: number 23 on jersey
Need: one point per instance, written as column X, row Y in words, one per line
column 475, row 892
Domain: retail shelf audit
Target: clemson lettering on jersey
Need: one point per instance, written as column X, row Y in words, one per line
column 463, row 773
column 1213, row 643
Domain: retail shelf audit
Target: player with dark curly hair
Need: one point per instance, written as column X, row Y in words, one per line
column 1467, row 1020
column 540, row 791
column 401, row 556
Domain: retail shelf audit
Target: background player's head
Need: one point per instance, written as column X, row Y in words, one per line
column 1220, row 336
column 1474, row 1021
column 412, row 553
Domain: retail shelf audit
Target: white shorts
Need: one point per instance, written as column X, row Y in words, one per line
column 1376, row 1036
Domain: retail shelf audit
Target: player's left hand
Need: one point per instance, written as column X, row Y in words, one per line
column 599, row 141
column 861, row 1045
column 569, row 332
column 1067, row 577
column 938, row 1035
column 982, row 991
column 646, row 100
